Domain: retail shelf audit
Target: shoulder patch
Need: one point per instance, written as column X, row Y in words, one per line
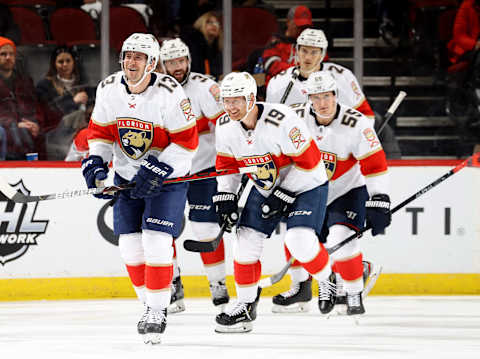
column 371, row 137
column 296, row 137
column 187, row 110
column 215, row 92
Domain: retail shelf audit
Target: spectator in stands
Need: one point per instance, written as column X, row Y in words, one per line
column 206, row 45
column 280, row 53
column 465, row 46
column 19, row 113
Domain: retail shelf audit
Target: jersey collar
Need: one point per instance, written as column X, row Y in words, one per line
column 153, row 78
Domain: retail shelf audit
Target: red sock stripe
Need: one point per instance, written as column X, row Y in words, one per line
column 158, row 277
column 246, row 274
column 318, row 263
column 288, row 255
column 174, row 250
column 351, row 269
column 136, row 274
column 214, row 257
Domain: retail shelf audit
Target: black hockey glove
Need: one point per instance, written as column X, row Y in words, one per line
column 226, row 206
column 149, row 178
column 378, row 213
column 277, row 203
column 95, row 172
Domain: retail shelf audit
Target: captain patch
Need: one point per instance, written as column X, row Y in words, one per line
column 296, row 137
column 187, row 110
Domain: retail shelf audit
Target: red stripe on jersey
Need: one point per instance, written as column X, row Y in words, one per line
column 158, row 277
column 247, row 274
column 288, row 255
column 225, row 162
column 136, row 274
column 214, row 119
column 309, row 159
column 187, row 138
column 365, row 109
column 81, row 140
column 351, row 269
column 105, row 133
column 215, row 257
column 318, row 263
column 343, row 166
column 202, row 125
column 374, row 164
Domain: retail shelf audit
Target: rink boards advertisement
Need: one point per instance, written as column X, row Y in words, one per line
column 67, row 248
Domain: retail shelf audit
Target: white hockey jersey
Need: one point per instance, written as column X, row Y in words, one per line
column 351, row 151
column 204, row 95
column 349, row 90
column 159, row 121
column 280, row 145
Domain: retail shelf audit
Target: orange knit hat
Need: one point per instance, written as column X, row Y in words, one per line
column 6, row 41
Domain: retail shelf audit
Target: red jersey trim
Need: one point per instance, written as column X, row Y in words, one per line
column 374, row 164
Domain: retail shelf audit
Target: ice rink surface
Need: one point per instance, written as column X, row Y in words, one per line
column 394, row 327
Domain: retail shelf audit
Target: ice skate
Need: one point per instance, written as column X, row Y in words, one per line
column 295, row 300
column 238, row 318
column 355, row 304
column 176, row 301
column 374, row 272
column 155, row 326
column 143, row 320
column 220, row 295
column 327, row 294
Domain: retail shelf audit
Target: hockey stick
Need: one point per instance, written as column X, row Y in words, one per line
column 391, row 110
column 275, row 278
column 472, row 161
column 210, row 246
column 295, row 74
column 18, row 197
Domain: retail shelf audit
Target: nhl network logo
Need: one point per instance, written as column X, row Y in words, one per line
column 18, row 228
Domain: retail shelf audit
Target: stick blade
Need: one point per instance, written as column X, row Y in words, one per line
column 197, row 246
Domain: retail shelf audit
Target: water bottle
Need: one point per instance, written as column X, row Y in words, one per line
column 258, row 69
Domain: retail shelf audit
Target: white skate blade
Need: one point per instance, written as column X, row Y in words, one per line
column 300, row 307
column 152, row 338
column 371, row 280
column 176, row 307
column 243, row 327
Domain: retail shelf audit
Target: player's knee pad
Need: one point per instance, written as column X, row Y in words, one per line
column 131, row 248
column 302, row 243
column 157, row 247
column 248, row 246
column 337, row 234
column 205, row 230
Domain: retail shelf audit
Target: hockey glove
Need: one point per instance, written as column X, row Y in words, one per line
column 149, row 178
column 277, row 203
column 226, row 207
column 378, row 213
column 95, row 172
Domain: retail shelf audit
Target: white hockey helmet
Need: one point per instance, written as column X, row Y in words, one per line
column 239, row 84
column 321, row 81
column 146, row 44
column 313, row 38
column 174, row 49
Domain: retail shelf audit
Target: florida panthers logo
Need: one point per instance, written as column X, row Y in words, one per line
column 266, row 170
column 135, row 136
column 330, row 161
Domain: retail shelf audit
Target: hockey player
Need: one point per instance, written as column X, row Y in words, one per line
column 144, row 121
column 203, row 94
column 290, row 181
column 289, row 86
column 357, row 170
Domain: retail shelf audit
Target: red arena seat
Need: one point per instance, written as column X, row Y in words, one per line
column 124, row 21
column 73, row 26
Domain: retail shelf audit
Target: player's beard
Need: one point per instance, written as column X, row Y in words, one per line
column 179, row 75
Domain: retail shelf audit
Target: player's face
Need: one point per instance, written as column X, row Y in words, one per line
column 7, row 58
column 235, row 107
column 64, row 64
column 309, row 58
column 324, row 103
column 134, row 64
column 177, row 68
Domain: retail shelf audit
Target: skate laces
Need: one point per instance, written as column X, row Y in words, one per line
column 218, row 289
column 145, row 314
column 292, row 291
column 156, row 316
column 237, row 308
column 353, row 300
column 326, row 289
column 339, row 285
